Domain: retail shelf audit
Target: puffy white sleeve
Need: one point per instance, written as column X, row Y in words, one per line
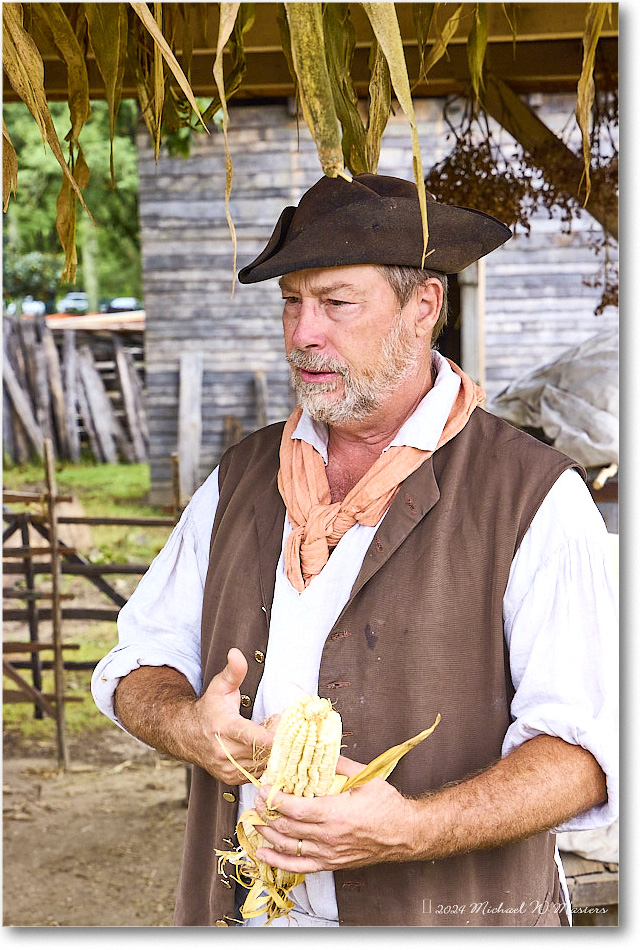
column 561, row 626
column 160, row 625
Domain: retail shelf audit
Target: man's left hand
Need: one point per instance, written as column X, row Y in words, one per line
column 366, row 825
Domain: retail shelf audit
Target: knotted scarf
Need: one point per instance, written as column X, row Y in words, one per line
column 319, row 524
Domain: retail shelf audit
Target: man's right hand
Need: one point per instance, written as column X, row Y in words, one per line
column 158, row 705
column 217, row 713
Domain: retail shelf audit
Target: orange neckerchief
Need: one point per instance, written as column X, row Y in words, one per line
column 317, row 523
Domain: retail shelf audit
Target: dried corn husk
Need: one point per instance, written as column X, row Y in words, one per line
column 9, row 167
column 595, row 17
column 383, row 20
column 269, row 887
column 476, row 47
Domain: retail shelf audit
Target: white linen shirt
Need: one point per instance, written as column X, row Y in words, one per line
column 560, row 621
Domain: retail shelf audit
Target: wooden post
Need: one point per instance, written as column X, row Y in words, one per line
column 21, row 405
column 54, row 374
column 189, row 421
column 127, row 387
column 261, row 391
column 71, row 382
column 100, row 409
column 32, row 610
column 56, row 611
column 177, row 509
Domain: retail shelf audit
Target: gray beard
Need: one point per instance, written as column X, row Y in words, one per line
column 363, row 394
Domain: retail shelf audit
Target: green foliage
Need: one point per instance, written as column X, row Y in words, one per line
column 110, row 252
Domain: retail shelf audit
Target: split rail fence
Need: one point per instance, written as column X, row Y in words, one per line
column 22, row 660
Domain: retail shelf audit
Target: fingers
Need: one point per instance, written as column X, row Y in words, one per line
column 348, row 767
column 234, row 672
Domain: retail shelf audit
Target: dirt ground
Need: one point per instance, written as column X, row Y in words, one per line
column 97, row 846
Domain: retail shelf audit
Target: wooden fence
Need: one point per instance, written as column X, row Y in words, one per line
column 25, row 561
column 81, row 389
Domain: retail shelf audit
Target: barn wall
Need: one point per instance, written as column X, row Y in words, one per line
column 536, row 303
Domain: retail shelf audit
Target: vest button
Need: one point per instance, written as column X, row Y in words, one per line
column 245, row 700
column 229, row 797
column 259, row 656
column 221, row 923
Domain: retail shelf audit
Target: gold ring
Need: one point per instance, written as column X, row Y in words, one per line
column 299, row 848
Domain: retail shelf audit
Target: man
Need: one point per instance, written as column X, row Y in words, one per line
column 396, row 549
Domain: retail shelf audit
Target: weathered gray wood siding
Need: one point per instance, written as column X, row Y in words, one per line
column 536, row 304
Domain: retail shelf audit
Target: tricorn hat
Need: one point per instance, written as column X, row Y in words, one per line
column 373, row 219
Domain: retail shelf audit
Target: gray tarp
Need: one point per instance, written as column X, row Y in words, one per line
column 573, row 399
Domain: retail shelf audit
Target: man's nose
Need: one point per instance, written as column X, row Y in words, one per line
column 309, row 332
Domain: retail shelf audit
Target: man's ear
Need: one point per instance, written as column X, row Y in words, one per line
column 429, row 299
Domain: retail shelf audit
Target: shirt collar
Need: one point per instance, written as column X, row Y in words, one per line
column 422, row 430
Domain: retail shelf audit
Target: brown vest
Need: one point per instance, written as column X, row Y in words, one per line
column 422, row 633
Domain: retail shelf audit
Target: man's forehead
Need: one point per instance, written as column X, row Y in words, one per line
column 324, row 280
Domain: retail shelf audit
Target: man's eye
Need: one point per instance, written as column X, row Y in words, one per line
column 290, row 300
column 337, row 303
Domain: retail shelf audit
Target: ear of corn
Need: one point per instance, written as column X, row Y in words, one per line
column 302, row 762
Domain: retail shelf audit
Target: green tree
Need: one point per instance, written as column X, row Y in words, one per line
column 109, row 253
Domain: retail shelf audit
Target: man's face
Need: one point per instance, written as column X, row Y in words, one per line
column 348, row 344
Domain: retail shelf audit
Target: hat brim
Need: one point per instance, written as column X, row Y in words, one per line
column 384, row 230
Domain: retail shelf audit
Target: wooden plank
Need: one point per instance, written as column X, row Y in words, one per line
column 33, row 595
column 70, row 370
column 233, row 431
column 43, row 393
column 99, row 405
column 261, row 391
column 127, row 387
column 87, row 421
column 28, row 497
column 56, row 608
column 19, row 614
column 15, row 696
column 138, row 393
column 134, row 522
column 32, row 610
column 190, row 421
column 594, row 890
column 58, row 400
column 84, row 570
column 546, row 149
column 22, row 646
column 22, row 405
column 30, row 551
column 34, row 694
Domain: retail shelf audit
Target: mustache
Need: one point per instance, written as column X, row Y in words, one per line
column 317, row 363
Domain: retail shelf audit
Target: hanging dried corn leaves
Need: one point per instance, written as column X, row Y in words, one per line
column 339, row 39
column 66, row 42
column 586, row 87
column 305, row 21
column 107, row 24
column 9, row 167
column 379, row 94
column 443, row 38
column 160, row 43
column 228, row 14
column 476, row 47
column 383, row 20
column 66, row 209
column 236, row 49
column 25, row 70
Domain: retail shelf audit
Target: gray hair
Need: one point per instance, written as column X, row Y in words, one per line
column 405, row 280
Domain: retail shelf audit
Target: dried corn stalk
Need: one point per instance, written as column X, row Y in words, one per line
column 586, row 87
column 383, row 20
column 302, row 762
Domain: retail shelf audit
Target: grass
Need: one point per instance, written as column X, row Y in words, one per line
column 103, row 491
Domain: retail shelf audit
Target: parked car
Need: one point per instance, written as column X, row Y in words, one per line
column 122, row 304
column 76, row 301
column 33, row 308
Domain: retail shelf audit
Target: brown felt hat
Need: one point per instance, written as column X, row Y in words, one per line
column 373, row 219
